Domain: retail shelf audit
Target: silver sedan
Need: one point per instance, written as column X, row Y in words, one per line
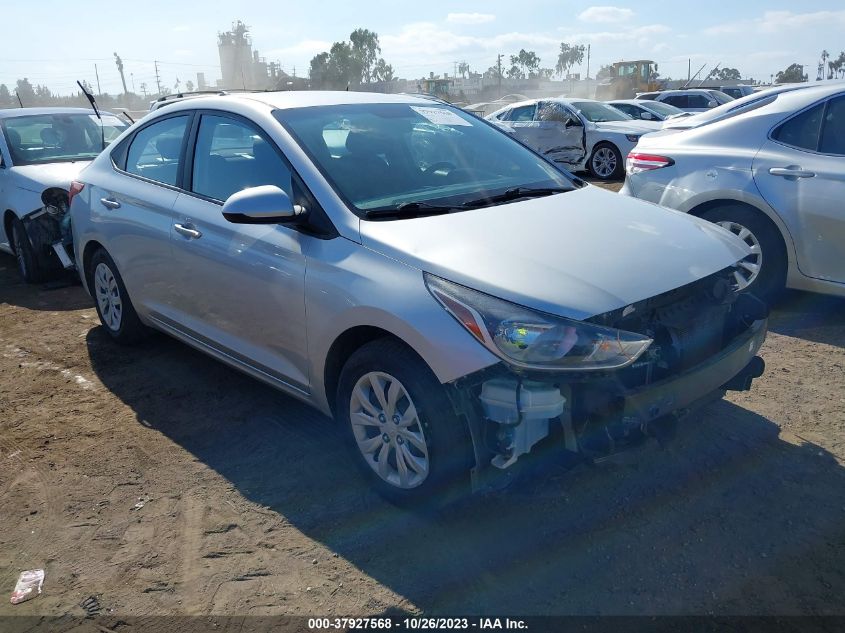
column 448, row 295
column 770, row 168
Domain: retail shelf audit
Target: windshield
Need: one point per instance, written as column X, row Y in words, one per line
column 380, row 156
column 53, row 138
column 597, row 112
column 662, row 108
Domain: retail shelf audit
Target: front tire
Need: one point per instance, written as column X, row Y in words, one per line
column 763, row 272
column 28, row 265
column 606, row 162
column 115, row 309
column 401, row 427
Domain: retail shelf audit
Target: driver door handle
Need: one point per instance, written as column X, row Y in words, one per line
column 791, row 172
column 110, row 203
column 188, row 230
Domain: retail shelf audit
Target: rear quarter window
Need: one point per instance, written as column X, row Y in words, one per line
column 802, row 130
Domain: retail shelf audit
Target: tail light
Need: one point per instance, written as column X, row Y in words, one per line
column 637, row 162
column 75, row 188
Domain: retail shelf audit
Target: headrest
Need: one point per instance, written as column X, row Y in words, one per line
column 364, row 143
column 49, row 136
column 14, row 138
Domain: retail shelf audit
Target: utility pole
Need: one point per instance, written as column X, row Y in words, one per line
column 132, row 75
column 97, row 75
column 119, row 63
column 588, row 61
column 158, row 79
column 499, row 67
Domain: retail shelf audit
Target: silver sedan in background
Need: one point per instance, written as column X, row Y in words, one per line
column 771, row 169
column 647, row 110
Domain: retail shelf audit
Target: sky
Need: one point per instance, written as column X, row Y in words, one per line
column 57, row 42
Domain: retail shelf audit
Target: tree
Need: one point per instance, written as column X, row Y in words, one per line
column 546, row 73
column 5, row 97
column 383, row 71
column 837, row 67
column 365, row 50
column 319, row 70
column 527, row 62
column 26, row 93
column 515, row 72
column 492, row 73
column 728, row 74
column 794, row 73
column 605, row 72
column 568, row 57
column 189, row 85
column 463, row 69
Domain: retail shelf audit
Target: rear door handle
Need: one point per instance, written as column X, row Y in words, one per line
column 188, row 230
column 110, row 203
column 791, row 172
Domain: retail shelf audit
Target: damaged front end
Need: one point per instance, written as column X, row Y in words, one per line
column 49, row 231
column 704, row 338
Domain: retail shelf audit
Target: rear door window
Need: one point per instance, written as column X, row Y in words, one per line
column 522, row 114
column 698, row 101
column 679, row 101
column 155, row 151
column 802, row 130
column 833, row 128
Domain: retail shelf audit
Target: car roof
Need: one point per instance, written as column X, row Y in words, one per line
column 637, row 102
column 9, row 113
column 307, row 98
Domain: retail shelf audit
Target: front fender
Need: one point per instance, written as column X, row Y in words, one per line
column 369, row 289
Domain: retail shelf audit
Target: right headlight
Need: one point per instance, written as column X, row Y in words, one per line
column 535, row 340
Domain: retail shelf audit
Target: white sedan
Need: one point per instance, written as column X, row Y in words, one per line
column 42, row 150
column 581, row 134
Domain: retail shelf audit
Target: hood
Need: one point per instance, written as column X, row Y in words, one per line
column 37, row 178
column 629, row 127
column 575, row 254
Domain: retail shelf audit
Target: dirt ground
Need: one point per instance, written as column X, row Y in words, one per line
column 162, row 482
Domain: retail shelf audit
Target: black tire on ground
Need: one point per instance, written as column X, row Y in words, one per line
column 618, row 171
column 446, row 435
column 771, row 279
column 130, row 329
column 29, row 266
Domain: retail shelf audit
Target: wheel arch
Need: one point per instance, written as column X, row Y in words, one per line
column 344, row 346
column 8, row 216
column 699, row 209
column 91, row 247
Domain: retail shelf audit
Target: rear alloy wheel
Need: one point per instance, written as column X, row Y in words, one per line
column 28, row 265
column 606, row 162
column 763, row 272
column 114, row 308
column 400, row 424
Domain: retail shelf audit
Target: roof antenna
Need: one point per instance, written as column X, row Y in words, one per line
column 93, row 103
column 19, row 98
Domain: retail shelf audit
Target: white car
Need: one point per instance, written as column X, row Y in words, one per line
column 771, row 169
column 41, row 151
column 693, row 100
column 581, row 134
column 647, row 110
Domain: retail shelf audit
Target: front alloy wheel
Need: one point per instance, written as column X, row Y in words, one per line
column 388, row 431
column 748, row 269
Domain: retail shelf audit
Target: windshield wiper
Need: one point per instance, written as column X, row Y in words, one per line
column 515, row 194
column 410, row 210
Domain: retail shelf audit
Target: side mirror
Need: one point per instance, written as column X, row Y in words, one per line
column 712, row 104
column 570, row 122
column 646, row 116
column 266, row 204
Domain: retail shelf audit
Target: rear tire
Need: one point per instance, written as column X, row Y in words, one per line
column 400, row 410
column 28, row 265
column 115, row 309
column 769, row 251
column 606, row 162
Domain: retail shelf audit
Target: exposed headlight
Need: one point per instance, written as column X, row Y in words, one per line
column 535, row 340
column 634, row 138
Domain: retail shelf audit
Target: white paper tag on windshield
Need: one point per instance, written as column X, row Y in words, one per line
column 108, row 119
column 440, row 116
